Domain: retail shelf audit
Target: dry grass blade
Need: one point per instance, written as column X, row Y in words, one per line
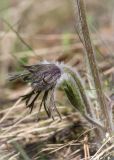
column 10, row 110
column 20, row 38
column 100, row 151
column 107, row 150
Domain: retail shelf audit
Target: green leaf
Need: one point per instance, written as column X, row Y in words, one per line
column 73, row 95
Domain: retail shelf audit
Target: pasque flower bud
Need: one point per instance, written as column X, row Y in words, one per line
column 43, row 78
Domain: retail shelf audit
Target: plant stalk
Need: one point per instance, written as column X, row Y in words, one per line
column 93, row 64
column 87, row 112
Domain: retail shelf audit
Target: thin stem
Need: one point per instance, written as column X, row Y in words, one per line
column 93, row 64
column 86, row 102
column 79, row 83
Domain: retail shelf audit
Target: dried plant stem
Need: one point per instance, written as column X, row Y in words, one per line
column 93, row 64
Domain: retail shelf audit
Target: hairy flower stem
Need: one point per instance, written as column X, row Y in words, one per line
column 87, row 111
column 79, row 83
column 93, row 64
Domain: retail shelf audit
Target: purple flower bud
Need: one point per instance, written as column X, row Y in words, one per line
column 43, row 78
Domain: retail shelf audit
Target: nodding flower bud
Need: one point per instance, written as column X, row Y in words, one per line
column 43, row 78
